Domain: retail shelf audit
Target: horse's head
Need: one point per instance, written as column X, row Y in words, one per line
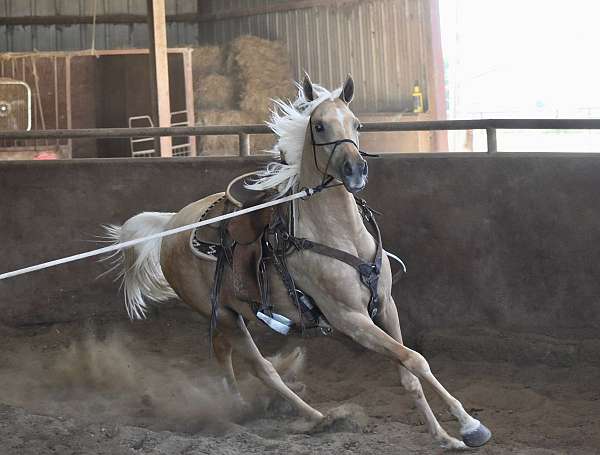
column 334, row 135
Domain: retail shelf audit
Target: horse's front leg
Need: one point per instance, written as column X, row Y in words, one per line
column 361, row 328
column 387, row 319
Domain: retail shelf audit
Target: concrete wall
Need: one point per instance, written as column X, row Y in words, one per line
column 506, row 241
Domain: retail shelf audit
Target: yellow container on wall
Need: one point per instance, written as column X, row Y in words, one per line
column 417, row 97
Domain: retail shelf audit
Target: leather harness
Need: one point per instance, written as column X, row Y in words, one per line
column 276, row 243
column 368, row 271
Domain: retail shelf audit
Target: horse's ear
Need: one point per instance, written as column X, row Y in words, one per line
column 307, row 88
column 348, row 90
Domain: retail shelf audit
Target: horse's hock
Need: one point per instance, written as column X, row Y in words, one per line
column 502, row 253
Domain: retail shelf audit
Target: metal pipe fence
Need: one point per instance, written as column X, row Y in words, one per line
column 243, row 131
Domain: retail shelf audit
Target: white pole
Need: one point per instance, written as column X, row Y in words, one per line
column 119, row 246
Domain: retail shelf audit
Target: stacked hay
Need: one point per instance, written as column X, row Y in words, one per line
column 220, row 145
column 238, row 89
column 214, row 91
column 207, row 60
column 262, row 71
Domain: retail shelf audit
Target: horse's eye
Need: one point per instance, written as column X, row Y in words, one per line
column 359, row 126
column 319, row 127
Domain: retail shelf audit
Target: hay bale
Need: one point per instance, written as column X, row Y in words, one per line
column 214, row 92
column 229, row 145
column 259, row 100
column 223, row 117
column 207, row 60
column 258, row 59
column 220, row 145
column 261, row 70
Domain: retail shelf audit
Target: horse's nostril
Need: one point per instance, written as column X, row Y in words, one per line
column 347, row 168
column 365, row 170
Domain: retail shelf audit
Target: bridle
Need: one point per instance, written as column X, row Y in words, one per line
column 327, row 178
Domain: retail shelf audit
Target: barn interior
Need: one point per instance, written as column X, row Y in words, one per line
column 501, row 289
column 93, row 94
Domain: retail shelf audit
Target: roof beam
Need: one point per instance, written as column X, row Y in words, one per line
column 184, row 17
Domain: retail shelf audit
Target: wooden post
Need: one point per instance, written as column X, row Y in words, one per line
column 68, row 102
column 244, row 143
column 492, row 143
column 436, row 90
column 159, row 64
column 189, row 96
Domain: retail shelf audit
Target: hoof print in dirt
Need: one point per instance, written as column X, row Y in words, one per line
column 347, row 418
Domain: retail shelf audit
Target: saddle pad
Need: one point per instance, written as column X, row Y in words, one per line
column 205, row 240
column 245, row 231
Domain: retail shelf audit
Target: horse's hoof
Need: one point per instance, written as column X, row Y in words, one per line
column 477, row 437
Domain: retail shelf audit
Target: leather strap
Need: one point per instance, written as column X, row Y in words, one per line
column 216, row 288
column 369, row 271
column 276, row 241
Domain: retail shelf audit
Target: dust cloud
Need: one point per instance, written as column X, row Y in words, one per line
column 111, row 379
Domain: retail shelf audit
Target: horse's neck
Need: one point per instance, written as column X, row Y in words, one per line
column 330, row 215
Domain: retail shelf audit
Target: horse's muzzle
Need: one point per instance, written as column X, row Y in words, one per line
column 354, row 174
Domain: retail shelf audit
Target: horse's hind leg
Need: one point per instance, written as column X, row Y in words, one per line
column 244, row 345
column 223, row 349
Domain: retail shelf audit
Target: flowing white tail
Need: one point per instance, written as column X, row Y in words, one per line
column 139, row 267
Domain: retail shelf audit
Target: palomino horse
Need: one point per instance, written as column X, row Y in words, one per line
column 318, row 137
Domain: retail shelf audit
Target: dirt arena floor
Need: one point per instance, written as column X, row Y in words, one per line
column 116, row 387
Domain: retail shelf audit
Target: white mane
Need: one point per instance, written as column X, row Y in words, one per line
column 289, row 121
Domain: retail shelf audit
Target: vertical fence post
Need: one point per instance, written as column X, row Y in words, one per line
column 492, row 144
column 244, row 144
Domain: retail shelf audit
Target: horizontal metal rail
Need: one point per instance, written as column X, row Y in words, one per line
column 490, row 125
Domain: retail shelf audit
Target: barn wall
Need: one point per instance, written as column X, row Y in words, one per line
column 17, row 38
column 45, row 76
column 105, row 91
column 84, row 83
column 49, row 93
column 507, row 241
column 385, row 44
